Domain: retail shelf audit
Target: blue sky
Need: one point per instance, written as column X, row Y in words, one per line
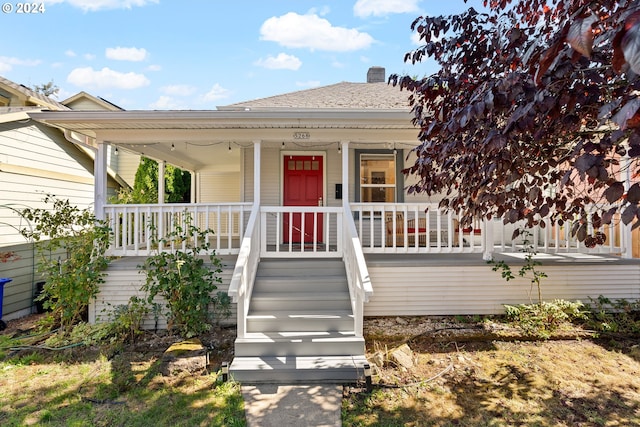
column 198, row 54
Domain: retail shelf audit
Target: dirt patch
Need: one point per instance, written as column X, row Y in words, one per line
column 469, row 372
column 149, row 346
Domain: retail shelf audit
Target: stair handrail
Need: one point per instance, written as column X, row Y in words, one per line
column 360, row 288
column 244, row 272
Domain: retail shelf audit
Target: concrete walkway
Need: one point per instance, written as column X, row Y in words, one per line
column 269, row 405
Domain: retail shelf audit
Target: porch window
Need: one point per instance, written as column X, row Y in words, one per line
column 377, row 178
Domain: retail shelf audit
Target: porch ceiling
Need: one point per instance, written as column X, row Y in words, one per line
column 192, row 139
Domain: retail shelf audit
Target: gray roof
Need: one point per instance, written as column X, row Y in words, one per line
column 344, row 95
column 36, row 97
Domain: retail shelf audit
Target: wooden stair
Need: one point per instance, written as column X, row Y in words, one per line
column 300, row 326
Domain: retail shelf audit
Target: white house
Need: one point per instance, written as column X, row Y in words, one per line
column 305, row 193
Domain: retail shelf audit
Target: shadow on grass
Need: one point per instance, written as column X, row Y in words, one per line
column 474, row 404
column 521, row 390
column 89, row 388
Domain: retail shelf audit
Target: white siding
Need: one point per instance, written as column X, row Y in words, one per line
column 248, row 175
column 85, row 104
column 125, row 279
column 270, row 193
column 36, row 147
column 450, row 290
column 125, row 164
column 36, row 161
column 219, row 187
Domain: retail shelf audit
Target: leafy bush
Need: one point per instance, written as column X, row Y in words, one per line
column 221, row 306
column 72, row 280
column 178, row 273
column 618, row 316
column 126, row 322
column 543, row 319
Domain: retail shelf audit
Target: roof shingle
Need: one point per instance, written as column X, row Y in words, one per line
column 344, row 95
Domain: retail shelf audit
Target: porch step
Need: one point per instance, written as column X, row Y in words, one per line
column 299, row 320
column 300, row 267
column 327, row 282
column 300, row 325
column 281, row 301
column 299, row 344
column 297, row 369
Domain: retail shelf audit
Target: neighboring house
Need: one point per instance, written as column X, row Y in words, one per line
column 306, row 197
column 36, row 160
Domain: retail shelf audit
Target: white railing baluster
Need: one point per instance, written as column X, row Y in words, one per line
column 136, row 227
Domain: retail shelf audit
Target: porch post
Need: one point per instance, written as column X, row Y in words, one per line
column 345, row 174
column 256, row 172
column 100, row 180
column 626, row 234
column 487, row 239
column 192, row 197
column 161, row 166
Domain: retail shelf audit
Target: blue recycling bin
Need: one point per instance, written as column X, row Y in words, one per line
column 3, row 280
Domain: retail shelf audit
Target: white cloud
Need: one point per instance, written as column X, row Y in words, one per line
column 365, row 8
column 89, row 56
column 7, row 63
column 312, row 32
column 96, row 5
column 154, row 67
column 166, row 103
column 217, row 92
column 322, row 12
column 64, row 94
column 280, row 62
column 178, row 90
column 70, row 53
column 106, row 78
column 126, row 53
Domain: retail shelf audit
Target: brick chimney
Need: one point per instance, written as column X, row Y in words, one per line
column 376, row 75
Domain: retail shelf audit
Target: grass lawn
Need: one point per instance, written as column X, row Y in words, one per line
column 101, row 392
column 455, row 381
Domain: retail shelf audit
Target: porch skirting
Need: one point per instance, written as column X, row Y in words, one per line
column 439, row 284
column 124, row 280
column 415, row 285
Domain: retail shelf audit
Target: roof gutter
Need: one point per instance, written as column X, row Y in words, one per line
column 86, row 142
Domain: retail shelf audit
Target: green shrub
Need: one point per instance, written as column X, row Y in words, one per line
column 543, row 319
column 614, row 316
column 72, row 280
column 126, row 319
column 178, row 273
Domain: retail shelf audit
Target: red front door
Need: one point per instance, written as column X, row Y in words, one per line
column 303, row 186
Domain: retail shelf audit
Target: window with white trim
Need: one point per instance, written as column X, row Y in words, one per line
column 377, row 178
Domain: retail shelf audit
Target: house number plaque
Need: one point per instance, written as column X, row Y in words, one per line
column 301, row 135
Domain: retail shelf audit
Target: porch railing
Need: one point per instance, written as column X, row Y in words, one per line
column 136, row 227
column 244, row 273
column 288, row 231
column 424, row 228
column 556, row 238
column 360, row 288
column 301, row 231
column 413, row 228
